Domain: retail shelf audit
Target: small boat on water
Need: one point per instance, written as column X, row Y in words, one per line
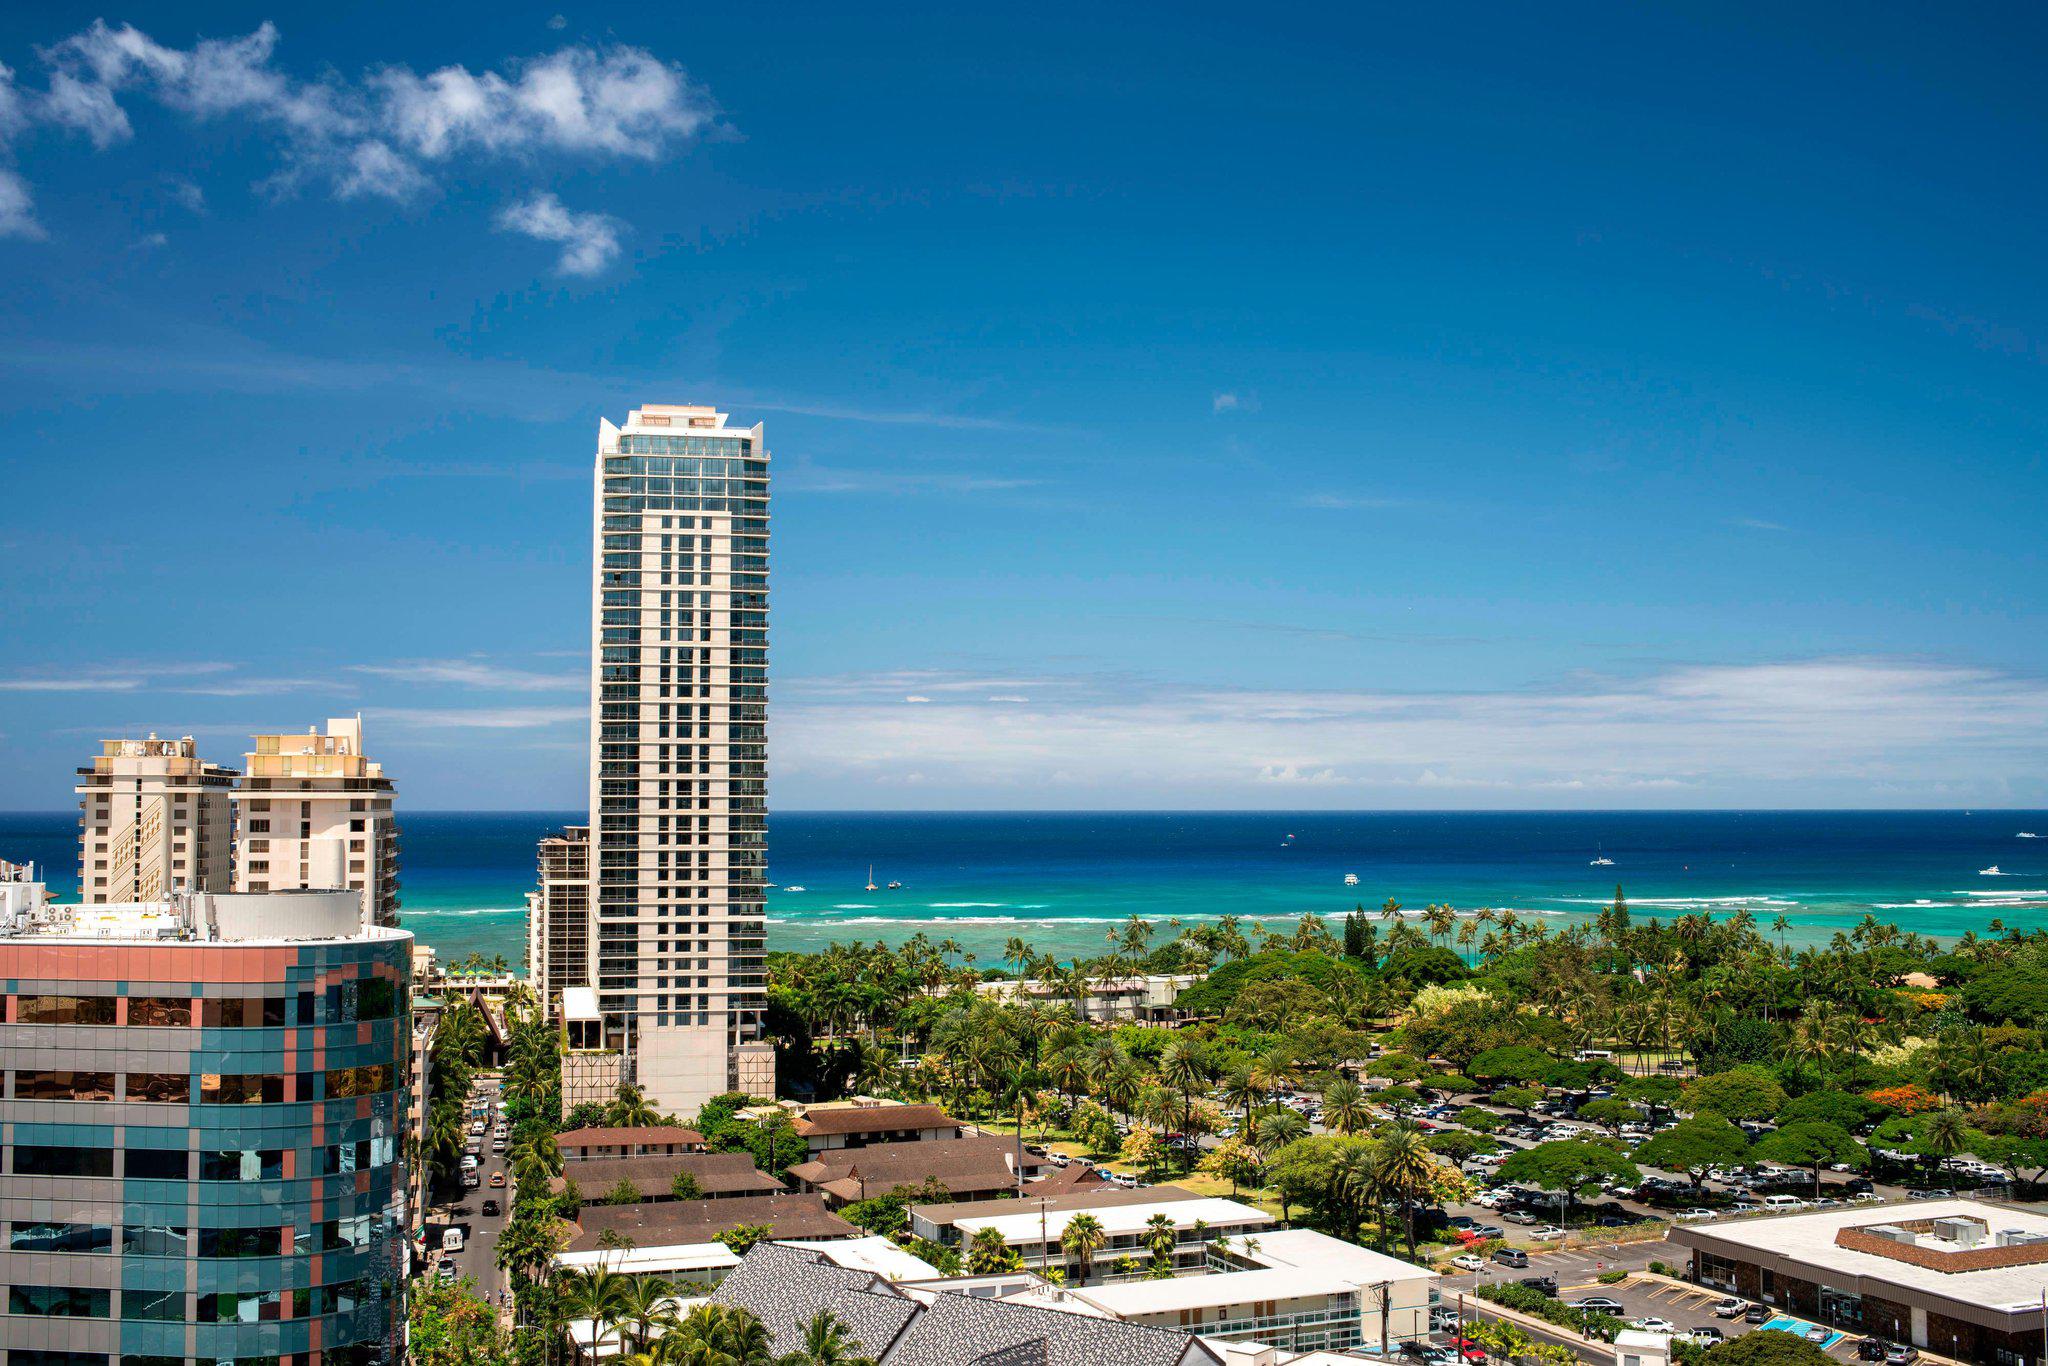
column 1992, row 871
column 895, row 886
column 792, row 887
column 1351, row 879
column 2026, row 835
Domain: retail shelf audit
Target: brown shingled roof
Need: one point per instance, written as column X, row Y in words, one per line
column 868, row 1119
column 655, row 1174
column 701, row 1221
column 959, row 1164
column 615, row 1138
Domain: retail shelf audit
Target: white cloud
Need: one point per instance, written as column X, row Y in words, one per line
column 149, row 241
column 17, row 208
column 472, row 673
column 1840, row 732
column 187, row 193
column 1009, row 697
column 483, row 718
column 1758, row 524
column 914, row 697
column 380, row 136
column 1223, row 403
column 590, row 241
column 1341, row 502
column 375, row 170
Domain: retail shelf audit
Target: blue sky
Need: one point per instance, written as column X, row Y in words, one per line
column 1182, row 406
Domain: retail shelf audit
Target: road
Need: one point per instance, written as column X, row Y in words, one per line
column 478, row 1257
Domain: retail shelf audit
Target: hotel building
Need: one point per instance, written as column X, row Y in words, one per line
column 154, row 818
column 202, row 1131
column 314, row 813
column 558, row 918
column 678, row 778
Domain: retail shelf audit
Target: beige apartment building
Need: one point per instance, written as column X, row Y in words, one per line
column 154, row 818
column 678, row 775
column 558, row 938
column 313, row 811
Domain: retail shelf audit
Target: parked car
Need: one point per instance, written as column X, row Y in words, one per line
column 1871, row 1349
column 1469, row 1262
column 471, row 1180
column 1491, row 1231
column 448, row 1271
column 1697, row 1212
column 1757, row 1313
column 1520, row 1216
column 1597, row 1304
column 1547, row 1234
column 1511, row 1256
column 1650, row 1323
column 1729, row 1308
column 1901, row 1354
column 1818, row 1334
column 497, row 1180
column 1546, row 1285
column 1702, row 1337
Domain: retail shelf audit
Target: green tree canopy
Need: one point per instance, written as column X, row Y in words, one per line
column 1813, row 1144
column 1570, row 1166
column 1511, row 1062
column 1694, row 1146
column 1739, row 1093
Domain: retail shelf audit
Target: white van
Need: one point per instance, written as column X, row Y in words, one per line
column 451, row 1240
column 1779, row 1202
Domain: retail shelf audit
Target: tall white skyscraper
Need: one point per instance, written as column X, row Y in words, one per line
column 678, row 749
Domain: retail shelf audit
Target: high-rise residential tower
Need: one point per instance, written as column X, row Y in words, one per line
column 313, row 812
column 678, row 747
column 558, row 917
column 154, row 818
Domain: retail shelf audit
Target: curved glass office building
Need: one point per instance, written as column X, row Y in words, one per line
column 204, row 1131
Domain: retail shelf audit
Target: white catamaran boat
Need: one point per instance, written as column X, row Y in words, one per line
column 793, row 888
column 1600, row 860
column 1351, row 879
column 871, row 880
column 1992, row 871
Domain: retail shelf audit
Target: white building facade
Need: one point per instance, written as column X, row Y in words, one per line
column 154, row 818
column 678, row 777
column 314, row 813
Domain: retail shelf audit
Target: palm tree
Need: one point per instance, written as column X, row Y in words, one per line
column 629, row 1109
column 1081, row 1239
column 1162, row 1239
column 645, row 1303
column 988, row 1253
column 598, row 1295
column 1240, row 1092
column 717, row 1335
column 1405, row 1168
column 1182, row 1067
column 1344, row 1106
column 827, row 1342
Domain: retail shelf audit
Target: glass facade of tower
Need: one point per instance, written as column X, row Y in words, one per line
column 204, row 1158
column 682, row 692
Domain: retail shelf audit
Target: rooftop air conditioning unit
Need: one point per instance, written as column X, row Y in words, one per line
column 2018, row 1237
column 1894, row 1233
column 1961, row 1232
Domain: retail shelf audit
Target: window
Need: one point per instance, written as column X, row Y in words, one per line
column 242, row 1165
column 158, row 1164
column 358, row 1081
column 164, row 1306
column 249, row 1307
column 63, row 1085
column 235, row 1012
column 241, row 1088
column 29, row 1237
column 170, row 1088
column 31, row 1159
column 155, row 1240
column 238, row 1242
column 160, row 1010
column 58, row 1301
column 85, row 1010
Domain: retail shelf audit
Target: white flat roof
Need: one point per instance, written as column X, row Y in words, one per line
column 1811, row 1238
column 1308, row 1249
column 580, row 1003
column 1126, row 1298
column 876, row 1254
column 1023, row 1227
column 641, row 1260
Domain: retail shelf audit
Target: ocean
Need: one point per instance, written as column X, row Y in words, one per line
column 1062, row 880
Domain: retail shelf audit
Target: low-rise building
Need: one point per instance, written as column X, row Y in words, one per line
column 1147, row 998
column 1034, row 1231
column 717, row 1176
column 672, row 1223
column 967, row 1168
column 940, row 1223
column 856, row 1124
column 1959, row 1277
column 652, row 1140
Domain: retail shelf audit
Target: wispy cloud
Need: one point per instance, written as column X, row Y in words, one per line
column 589, row 241
column 473, row 673
column 811, row 478
column 1822, row 731
column 1223, row 403
column 194, row 679
column 1758, row 524
column 480, row 718
column 1347, row 502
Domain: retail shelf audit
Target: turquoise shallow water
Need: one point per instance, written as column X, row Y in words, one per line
column 1061, row 880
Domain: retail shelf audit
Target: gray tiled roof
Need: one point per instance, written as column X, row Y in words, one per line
column 956, row 1328
column 786, row 1287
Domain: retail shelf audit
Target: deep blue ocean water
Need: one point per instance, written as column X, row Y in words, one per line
column 1060, row 880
